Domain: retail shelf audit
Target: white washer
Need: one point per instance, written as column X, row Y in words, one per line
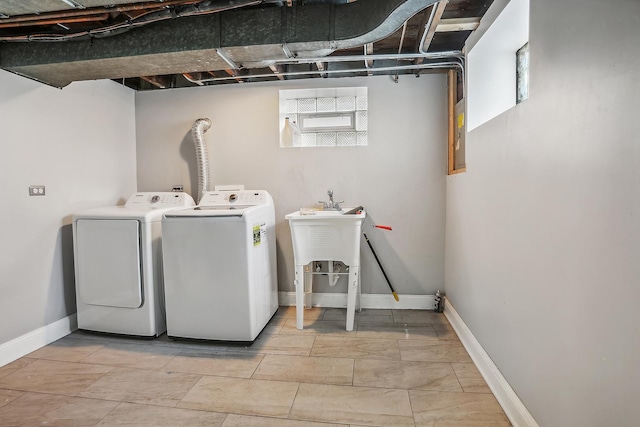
column 220, row 266
column 118, row 264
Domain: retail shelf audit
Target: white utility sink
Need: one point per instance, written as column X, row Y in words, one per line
column 326, row 236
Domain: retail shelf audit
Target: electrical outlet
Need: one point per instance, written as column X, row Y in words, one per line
column 36, row 190
column 177, row 188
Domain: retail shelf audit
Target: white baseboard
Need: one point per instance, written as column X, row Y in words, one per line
column 379, row 301
column 508, row 399
column 31, row 341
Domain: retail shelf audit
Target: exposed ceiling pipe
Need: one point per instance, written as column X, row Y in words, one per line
column 130, row 7
column 436, row 65
column 404, row 31
column 392, row 56
column 454, row 59
column 241, row 35
column 430, row 29
column 192, row 79
column 74, row 3
column 194, row 9
column 56, row 21
column 423, row 25
column 454, row 56
column 368, row 50
column 95, row 10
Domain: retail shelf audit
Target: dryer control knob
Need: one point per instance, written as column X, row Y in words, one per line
column 233, row 197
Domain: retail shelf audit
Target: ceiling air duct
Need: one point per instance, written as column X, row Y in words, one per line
column 245, row 38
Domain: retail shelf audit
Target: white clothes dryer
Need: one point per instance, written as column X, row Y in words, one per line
column 220, row 266
column 118, row 264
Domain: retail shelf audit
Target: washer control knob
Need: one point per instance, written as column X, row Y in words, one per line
column 233, row 197
column 155, row 199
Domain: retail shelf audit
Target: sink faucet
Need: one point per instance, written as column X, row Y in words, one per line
column 331, row 206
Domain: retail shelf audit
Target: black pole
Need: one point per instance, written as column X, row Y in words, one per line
column 395, row 295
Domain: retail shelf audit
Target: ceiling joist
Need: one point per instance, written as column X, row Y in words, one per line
column 161, row 82
column 277, row 71
column 458, row 24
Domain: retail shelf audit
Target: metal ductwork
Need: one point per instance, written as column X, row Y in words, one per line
column 239, row 38
column 198, row 129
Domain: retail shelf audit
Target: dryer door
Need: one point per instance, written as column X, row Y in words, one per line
column 108, row 262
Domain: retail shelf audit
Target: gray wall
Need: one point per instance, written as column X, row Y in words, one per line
column 399, row 177
column 80, row 143
column 543, row 231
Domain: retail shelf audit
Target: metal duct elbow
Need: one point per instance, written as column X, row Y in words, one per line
column 198, row 129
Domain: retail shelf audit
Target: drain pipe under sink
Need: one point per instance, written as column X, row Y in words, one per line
column 334, row 275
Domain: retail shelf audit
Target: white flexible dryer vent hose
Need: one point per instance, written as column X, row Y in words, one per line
column 198, row 129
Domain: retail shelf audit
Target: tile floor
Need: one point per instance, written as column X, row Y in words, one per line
column 397, row 368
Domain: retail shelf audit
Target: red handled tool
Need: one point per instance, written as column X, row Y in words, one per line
column 384, row 227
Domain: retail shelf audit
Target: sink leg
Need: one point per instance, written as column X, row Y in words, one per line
column 352, row 293
column 358, row 300
column 299, row 285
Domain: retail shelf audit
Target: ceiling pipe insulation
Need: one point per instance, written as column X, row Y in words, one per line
column 250, row 38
